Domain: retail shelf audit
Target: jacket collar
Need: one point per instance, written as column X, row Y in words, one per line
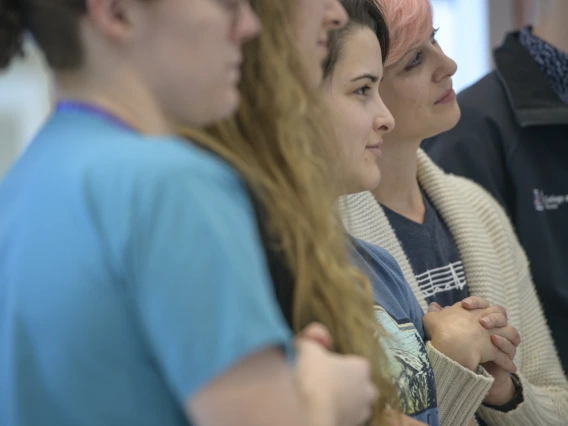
column 530, row 95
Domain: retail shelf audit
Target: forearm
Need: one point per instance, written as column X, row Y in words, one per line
column 259, row 390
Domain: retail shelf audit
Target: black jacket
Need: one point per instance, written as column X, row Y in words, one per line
column 513, row 140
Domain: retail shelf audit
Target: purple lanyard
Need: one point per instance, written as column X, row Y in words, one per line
column 94, row 110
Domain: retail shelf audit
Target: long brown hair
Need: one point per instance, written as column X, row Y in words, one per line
column 273, row 141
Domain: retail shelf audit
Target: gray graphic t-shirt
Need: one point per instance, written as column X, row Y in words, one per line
column 398, row 311
column 433, row 255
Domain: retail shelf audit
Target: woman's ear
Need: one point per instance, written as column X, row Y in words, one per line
column 113, row 18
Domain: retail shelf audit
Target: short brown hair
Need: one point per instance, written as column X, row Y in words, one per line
column 362, row 14
column 54, row 24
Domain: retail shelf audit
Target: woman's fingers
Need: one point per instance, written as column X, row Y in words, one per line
column 494, row 309
column 494, row 320
column 318, row 333
column 434, row 307
column 510, row 333
column 502, row 360
column 475, row 302
column 504, row 345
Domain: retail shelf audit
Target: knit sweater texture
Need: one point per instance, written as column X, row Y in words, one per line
column 497, row 269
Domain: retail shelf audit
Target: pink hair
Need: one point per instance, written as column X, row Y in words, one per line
column 409, row 23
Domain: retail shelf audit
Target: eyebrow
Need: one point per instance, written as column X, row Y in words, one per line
column 371, row 77
column 432, row 35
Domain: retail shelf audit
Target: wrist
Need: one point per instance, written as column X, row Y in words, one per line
column 454, row 353
column 316, row 404
column 503, row 395
column 320, row 412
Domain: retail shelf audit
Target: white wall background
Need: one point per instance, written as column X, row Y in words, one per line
column 24, row 104
column 464, row 36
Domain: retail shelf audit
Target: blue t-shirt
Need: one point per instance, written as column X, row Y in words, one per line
column 400, row 314
column 433, row 255
column 131, row 275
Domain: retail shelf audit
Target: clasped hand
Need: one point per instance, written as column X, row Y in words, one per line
column 473, row 332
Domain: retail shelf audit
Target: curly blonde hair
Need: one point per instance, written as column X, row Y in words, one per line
column 274, row 142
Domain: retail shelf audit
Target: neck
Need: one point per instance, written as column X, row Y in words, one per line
column 399, row 189
column 551, row 26
column 123, row 97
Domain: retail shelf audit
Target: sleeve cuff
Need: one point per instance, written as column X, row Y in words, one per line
column 460, row 391
column 537, row 408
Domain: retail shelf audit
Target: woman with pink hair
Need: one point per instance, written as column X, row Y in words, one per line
column 453, row 240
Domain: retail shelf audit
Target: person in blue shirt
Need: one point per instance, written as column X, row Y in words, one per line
column 133, row 285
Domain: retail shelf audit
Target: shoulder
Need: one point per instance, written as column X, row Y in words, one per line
column 99, row 152
column 123, row 179
column 486, row 109
column 474, row 193
column 376, row 255
column 482, row 95
column 381, row 268
column 478, row 90
column 166, row 171
column 467, row 193
column 390, row 289
column 165, row 160
column 495, row 220
column 476, row 197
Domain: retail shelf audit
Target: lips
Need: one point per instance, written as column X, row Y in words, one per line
column 374, row 146
column 448, row 95
column 375, row 149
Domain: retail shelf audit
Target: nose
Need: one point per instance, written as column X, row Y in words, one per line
column 446, row 68
column 335, row 16
column 246, row 25
column 384, row 121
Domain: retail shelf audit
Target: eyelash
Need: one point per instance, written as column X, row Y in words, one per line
column 363, row 89
column 416, row 61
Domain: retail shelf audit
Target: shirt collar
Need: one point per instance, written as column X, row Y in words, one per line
column 552, row 62
column 531, row 97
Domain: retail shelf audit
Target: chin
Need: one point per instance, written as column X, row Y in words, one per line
column 453, row 118
column 213, row 111
column 366, row 183
column 228, row 105
column 314, row 77
column 372, row 185
column 447, row 122
column 233, row 100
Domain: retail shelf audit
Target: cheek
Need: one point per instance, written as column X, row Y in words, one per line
column 420, row 100
column 306, row 24
column 362, row 128
column 407, row 111
column 183, row 40
column 405, row 100
column 352, row 128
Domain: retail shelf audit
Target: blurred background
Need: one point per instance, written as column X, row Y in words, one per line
column 469, row 29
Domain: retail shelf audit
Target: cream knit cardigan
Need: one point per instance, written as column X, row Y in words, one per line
column 496, row 268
